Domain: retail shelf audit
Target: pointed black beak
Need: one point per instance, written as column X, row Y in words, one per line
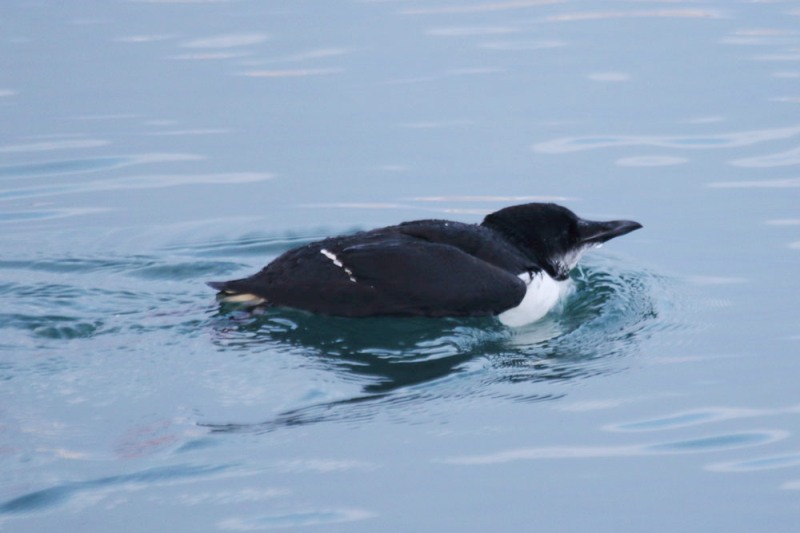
column 600, row 232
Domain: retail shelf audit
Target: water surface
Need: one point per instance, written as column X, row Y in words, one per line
column 149, row 146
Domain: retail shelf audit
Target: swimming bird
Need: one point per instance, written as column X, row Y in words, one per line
column 514, row 265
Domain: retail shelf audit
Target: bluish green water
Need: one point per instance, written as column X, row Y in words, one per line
column 149, row 146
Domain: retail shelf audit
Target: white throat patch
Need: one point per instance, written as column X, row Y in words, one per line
column 570, row 260
column 541, row 296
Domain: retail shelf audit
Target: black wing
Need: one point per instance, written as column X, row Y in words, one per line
column 391, row 274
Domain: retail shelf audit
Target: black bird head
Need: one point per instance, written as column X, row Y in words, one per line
column 552, row 235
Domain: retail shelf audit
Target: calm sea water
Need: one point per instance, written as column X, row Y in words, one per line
column 149, row 146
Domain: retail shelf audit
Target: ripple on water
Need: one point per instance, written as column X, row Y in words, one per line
column 710, row 443
column 233, row 40
column 58, row 299
column 724, row 441
column 487, row 7
column 470, row 31
column 89, row 164
column 651, row 161
column 23, row 215
column 61, row 494
column 46, row 146
column 511, row 46
column 636, row 13
column 136, row 182
column 692, row 418
column 780, row 159
column 721, row 140
column 299, row 518
column 767, row 462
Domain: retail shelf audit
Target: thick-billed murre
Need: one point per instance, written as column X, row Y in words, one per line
column 514, row 265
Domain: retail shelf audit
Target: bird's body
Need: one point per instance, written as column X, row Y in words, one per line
column 513, row 265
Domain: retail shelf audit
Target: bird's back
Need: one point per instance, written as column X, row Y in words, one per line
column 427, row 267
